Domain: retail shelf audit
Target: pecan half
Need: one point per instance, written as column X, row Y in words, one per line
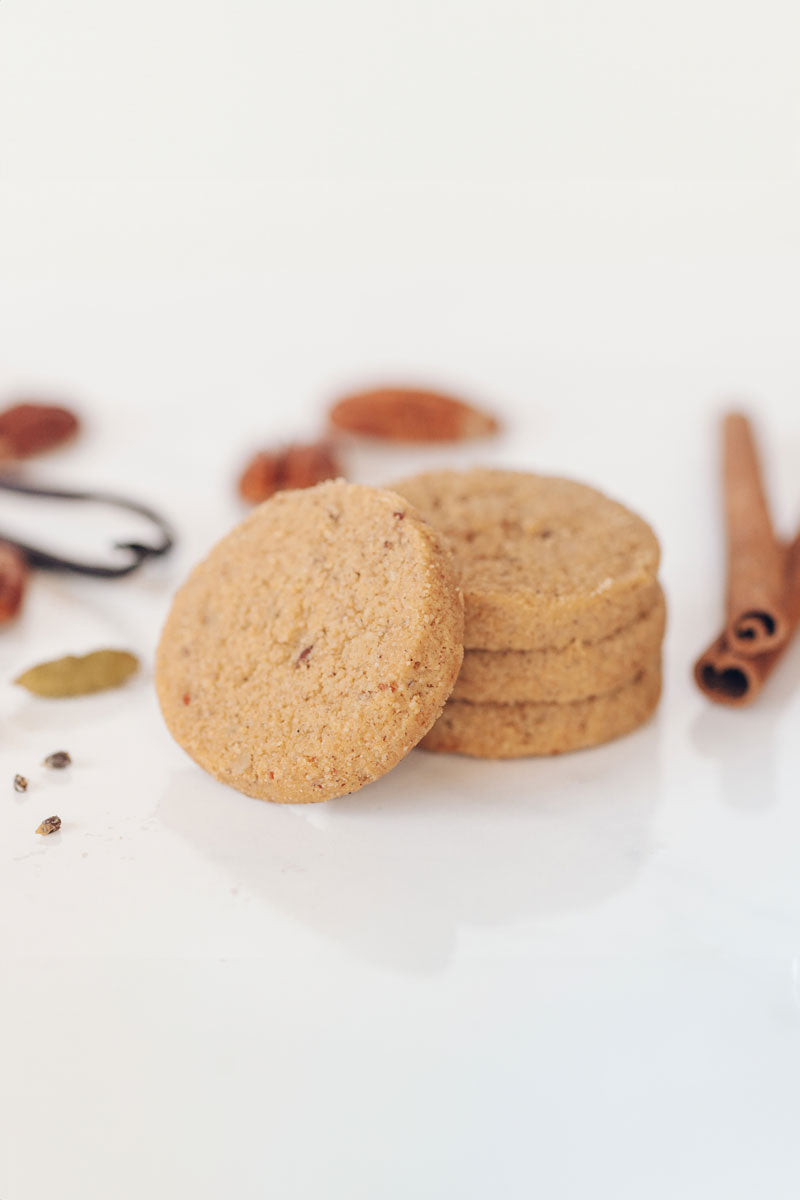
column 295, row 467
column 411, row 415
column 28, row 428
column 13, row 581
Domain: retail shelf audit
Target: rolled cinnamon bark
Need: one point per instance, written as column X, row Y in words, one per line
column 728, row 676
column 756, row 613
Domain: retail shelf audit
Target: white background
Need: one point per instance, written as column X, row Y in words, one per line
column 564, row 978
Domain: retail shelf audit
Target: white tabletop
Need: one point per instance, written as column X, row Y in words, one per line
column 561, row 978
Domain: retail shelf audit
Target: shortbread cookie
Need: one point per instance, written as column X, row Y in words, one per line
column 542, row 561
column 314, row 646
column 559, row 676
column 516, row 730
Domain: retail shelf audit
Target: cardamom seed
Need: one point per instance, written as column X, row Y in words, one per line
column 58, row 760
column 49, row 825
column 79, row 676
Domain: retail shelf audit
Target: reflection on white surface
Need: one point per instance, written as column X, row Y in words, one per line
column 394, row 873
column 744, row 744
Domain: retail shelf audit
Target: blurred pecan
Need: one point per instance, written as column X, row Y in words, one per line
column 295, row 467
column 13, row 580
column 410, row 415
column 28, row 428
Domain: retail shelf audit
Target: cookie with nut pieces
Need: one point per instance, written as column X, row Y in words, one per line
column 314, row 646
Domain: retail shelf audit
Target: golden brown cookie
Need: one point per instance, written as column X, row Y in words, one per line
column 314, row 646
column 541, row 561
column 558, row 676
column 516, row 730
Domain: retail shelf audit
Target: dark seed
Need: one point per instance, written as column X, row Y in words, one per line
column 303, row 655
column 20, row 783
column 58, row 760
column 49, row 825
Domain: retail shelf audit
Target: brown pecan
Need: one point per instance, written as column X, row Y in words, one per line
column 411, row 415
column 28, row 428
column 13, row 581
column 295, row 467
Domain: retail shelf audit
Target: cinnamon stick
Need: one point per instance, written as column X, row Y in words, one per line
column 727, row 675
column 757, row 620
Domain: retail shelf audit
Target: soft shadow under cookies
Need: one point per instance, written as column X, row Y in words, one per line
column 441, row 848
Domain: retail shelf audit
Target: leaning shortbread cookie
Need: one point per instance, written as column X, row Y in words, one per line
column 542, row 561
column 517, row 730
column 581, row 669
column 314, row 646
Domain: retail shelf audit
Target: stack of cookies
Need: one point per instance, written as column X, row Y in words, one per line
column 491, row 613
column 564, row 614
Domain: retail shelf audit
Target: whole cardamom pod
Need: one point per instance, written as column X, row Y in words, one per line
column 79, row 676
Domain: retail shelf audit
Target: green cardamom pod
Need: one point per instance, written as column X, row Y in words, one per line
column 72, row 676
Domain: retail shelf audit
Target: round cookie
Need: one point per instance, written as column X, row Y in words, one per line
column 541, row 561
column 314, row 646
column 517, row 730
column 559, row 676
